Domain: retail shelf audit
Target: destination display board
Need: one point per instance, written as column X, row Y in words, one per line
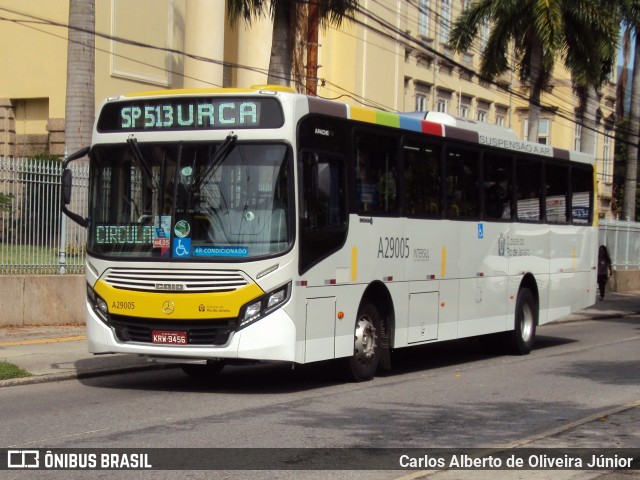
column 190, row 113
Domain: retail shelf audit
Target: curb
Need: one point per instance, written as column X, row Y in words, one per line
column 59, row 377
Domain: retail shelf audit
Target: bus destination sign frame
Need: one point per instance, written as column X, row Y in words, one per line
column 190, row 113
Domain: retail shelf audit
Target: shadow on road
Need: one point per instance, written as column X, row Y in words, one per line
column 279, row 378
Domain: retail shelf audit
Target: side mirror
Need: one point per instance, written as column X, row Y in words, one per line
column 67, row 182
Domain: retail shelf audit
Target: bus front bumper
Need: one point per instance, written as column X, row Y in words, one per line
column 270, row 338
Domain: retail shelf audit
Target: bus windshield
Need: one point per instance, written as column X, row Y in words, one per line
column 222, row 200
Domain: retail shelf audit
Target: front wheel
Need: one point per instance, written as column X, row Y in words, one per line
column 523, row 335
column 362, row 365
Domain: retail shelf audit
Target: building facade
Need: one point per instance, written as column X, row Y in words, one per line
column 393, row 56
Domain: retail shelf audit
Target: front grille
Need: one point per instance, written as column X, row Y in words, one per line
column 175, row 280
column 201, row 332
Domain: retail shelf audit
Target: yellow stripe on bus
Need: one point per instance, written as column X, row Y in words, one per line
column 354, row 263
column 172, row 305
column 443, row 263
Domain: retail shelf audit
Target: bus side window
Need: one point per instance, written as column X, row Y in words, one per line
column 497, row 186
column 376, row 182
column 422, row 180
column 463, row 176
column 528, row 189
column 557, row 191
column 323, row 208
column 582, row 194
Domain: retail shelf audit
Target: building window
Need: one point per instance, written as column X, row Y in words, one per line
column 423, row 18
column 484, row 34
column 501, row 116
column 606, row 157
column 421, row 102
column 445, row 15
column 543, row 131
column 465, row 106
column 443, row 100
column 482, row 110
column 578, row 136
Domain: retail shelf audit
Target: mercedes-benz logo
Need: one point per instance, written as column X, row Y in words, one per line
column 168, row 307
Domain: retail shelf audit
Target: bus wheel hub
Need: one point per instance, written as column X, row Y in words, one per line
column 365, row 340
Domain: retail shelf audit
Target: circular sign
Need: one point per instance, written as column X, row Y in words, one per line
column 182, row 229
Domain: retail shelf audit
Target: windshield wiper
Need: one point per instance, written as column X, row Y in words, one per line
column 141, row 162
column 218, row 157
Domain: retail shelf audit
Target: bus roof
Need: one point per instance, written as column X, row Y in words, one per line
column 432, row 123
column 447, row 126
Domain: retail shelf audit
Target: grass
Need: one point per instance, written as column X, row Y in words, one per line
column 28, row 254
column 37, row 259
column 9, row 370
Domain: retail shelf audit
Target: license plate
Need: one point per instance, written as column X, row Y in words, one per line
column 169, row 338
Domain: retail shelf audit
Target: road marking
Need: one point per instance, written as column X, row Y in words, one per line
column 40, row 341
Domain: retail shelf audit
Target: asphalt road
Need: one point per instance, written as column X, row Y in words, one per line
column 454, row 394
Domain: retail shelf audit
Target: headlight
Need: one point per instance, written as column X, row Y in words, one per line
column 98, row 305
column 264, row 305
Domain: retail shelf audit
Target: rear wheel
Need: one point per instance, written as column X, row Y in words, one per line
column 203, row 371
column 523, row 335
column 362, row 365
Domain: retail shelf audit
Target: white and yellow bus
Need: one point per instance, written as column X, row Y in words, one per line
column 229, row 226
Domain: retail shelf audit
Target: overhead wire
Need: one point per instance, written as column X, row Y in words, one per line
column 567, row 116
column 395, row 35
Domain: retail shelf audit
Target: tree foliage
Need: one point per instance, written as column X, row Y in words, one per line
column 289, row 18
column 583, row 34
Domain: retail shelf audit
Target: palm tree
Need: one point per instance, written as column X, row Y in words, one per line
column 80, row 99
column 79, row 108
column 631, row 17
column 540, row 30
column 623, row 78
column 591, row 59
column 286, row 23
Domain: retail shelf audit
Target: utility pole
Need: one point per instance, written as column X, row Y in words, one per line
column 312, row 49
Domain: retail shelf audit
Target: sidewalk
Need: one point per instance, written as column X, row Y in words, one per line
column 53, row 353
column 58, row 352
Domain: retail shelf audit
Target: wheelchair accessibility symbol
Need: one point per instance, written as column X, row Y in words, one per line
column 182, row 247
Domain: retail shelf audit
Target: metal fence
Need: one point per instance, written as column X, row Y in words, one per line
column 622, row 239
column 36, row 237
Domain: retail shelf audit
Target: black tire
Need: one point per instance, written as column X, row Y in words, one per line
column 362, row 365
column 523, row 336
column 203, row 371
